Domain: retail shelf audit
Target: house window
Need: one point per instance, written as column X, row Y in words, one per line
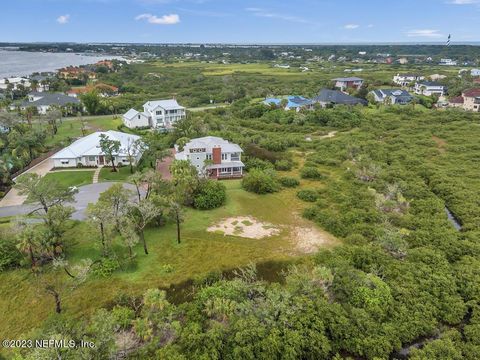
column 224, row 157
column 159, row 112
column 235, row 157
column 91, row 158
column 64, row 162
column 209, row 156
column 226, row 170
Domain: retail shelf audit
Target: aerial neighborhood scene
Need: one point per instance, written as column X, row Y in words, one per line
column 184, row 179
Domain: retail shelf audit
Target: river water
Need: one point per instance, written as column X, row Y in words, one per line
column 23, row 63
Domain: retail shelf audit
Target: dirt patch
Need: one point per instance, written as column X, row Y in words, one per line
column 244, row 226
column 440, row 143
column 163, row 167
column 309, row 239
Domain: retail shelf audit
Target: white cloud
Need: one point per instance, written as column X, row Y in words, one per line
column 163, row 20
column 351, row 26
column 63, row 19
column 463, row 2
column 266, row 14
column 427, row 33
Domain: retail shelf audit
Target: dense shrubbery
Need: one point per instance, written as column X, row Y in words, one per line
column 289, row 182
column 260, row 181
column 312, row 173
column 210, row 194
column 9, row 255
column 308, row 195
column 284, row 165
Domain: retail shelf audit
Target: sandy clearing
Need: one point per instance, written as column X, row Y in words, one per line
column 244, row 226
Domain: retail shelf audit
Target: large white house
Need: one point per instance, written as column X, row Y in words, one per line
column 429, row 88
column 407, row 79
column 86, row 151
column 213, row 156
column 156, row 114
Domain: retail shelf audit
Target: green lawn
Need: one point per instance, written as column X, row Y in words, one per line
column 71, row 128
column 25, row 306
column 122, row 174
column 72, row 178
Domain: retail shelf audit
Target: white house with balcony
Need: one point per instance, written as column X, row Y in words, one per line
column 86, row 151
column 160, row 114
column 429, row 88
column 213, row 157
column 407, row 79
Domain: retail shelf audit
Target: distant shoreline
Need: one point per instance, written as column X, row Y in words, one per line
column 19, row 63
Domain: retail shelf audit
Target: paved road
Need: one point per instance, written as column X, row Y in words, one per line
column 12, row 198
column 86, row 194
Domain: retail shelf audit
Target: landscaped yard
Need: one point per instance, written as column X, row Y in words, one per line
column 25, row 306
column 73, row 177
column 71, row 128
column 121, row 174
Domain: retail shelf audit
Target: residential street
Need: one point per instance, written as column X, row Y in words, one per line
column 87, row 194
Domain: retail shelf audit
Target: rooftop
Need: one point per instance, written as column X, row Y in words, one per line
column 170, row 104
column 90, row 144
column 337, row 97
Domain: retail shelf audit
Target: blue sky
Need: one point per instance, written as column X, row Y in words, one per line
column 239, row 21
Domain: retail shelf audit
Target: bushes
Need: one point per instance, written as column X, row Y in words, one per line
column 255, row 163
column 308, row 195
column 106, row 267
column 284, row 165
column 9, row 255
column 288, row 182
column 209, row 195
column 311, row 173
column 260, row 182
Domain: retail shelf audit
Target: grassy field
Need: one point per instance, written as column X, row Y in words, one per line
column 24, row 305
column 71, row 128
column 72, row 178
column 122, row 174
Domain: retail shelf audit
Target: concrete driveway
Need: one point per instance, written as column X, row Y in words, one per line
column 87, row 194
column 12, row 198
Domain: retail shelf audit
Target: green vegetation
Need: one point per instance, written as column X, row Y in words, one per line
column 72, row 178
column 122, row 174
column 150, row 271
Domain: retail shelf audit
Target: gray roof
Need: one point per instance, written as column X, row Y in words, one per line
column 171, row 104
column 337, row 97
column 392, row 92
column 50, row 99
column 130, row 114
column 348, row 79
column 430, row 83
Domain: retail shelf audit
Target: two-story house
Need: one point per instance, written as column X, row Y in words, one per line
column 469, row 101
column 348, row 82
column 159, row 114
column 213, row 157
column 429, row 88
column 164, row 113
column 407, row 79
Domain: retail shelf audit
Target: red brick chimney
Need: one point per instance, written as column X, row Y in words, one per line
column 217, row 155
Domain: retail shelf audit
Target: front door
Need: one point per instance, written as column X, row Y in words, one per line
column 101, row 160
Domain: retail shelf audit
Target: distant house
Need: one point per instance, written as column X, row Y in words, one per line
column 448, row 62
column 160, row 114
column 86, row 151
column 213, row 156
column 392, row 96
column 469, row 101
column 14, row 82
column 296, row 103
column 43, row 101
column 328, row 97
column 348, row 82
column 429, row 88
column 75, row 72
column 407, row 79
column 475, row 72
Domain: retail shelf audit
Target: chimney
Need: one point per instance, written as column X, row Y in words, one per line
column 217, row 155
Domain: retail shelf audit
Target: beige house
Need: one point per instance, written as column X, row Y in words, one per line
column 469, row 101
